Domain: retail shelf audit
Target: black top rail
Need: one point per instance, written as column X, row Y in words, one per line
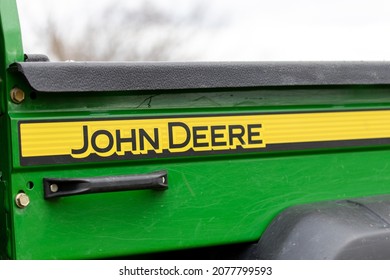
column 134, row 76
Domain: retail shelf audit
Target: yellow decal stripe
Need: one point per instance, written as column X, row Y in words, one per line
column 313, row 127
column 105, row 138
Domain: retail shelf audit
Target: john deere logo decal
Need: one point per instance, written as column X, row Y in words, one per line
column 136, row 138
column 171, row 137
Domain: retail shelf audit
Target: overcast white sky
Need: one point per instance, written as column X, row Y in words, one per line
column 250, row 29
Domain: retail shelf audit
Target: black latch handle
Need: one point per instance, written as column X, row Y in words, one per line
column 59, row 187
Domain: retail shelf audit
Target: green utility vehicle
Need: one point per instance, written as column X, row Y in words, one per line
column 191, row 160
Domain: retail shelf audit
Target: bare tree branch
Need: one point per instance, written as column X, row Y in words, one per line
column 119, row 33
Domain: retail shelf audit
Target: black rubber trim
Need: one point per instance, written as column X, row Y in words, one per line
column 133, row 76
column 348, row 229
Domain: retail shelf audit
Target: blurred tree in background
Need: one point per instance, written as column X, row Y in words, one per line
column 119, row 32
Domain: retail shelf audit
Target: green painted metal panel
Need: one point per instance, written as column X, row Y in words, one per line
column 11, row 50
column 209, row 203
column 211, row 200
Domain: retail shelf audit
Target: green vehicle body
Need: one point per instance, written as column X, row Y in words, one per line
column 212, row 199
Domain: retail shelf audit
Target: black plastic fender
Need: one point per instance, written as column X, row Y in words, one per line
column 348, row 229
